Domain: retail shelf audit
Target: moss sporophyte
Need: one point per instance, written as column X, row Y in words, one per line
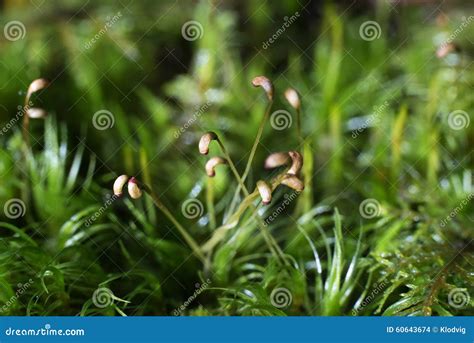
column 291, row 163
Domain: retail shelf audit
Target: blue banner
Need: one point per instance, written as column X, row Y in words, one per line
column 237, row 329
